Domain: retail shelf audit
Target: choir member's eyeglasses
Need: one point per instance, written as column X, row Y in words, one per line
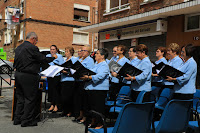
column 84, row 50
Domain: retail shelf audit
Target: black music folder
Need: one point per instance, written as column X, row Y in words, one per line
column 157, row 67
column 67, row 64
column 82, row 71
column 167, row 70
column 114, row 66
column 129, row 69
column 77, row 65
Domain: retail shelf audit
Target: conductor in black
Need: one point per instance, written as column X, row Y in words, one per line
column 27, row 64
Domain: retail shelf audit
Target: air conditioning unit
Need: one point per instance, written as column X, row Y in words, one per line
column 161, row 26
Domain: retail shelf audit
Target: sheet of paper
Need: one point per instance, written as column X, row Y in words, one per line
column 51, row 71
column 72, row 71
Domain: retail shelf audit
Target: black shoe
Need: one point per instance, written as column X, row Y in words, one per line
column 29, row 124
column 77, row 119
column 63, row 115
column 92, row 126
column 16, row 122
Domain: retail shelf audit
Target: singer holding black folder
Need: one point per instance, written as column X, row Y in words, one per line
column 27, row 65
column 156, row 79
column 97, row 86
column 54, row 83
column 88, row 63
column 67, row 84
column 185, row 86
column 142, row 81
column 116, row 83
column 133, row 60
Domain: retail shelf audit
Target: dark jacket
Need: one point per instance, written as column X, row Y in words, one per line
column 28, row 58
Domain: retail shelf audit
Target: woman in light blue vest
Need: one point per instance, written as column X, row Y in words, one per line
column 141, row 82
column 54, row 83
column 88, row 63
column 97, row 86
column 133, row 60
column 116, row 83
column 185, row 86
column 67, row 84
column 157, row 80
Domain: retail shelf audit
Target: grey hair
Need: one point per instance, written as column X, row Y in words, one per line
column 31, row 35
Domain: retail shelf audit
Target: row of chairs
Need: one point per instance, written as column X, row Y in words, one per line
column 138, row 118
column 174, row 118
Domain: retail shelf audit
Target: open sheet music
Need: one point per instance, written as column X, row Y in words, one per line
column 51, row 71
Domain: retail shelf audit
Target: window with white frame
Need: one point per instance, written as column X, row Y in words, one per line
column 22, row 7
column 81, row 12
column 192, row 22
column 7, row 37
column 21, row 32
column 114, row 5
column 81, row 38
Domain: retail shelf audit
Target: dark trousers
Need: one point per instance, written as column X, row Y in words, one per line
column 79, row 96
column 54, row 90
column 67, row 92
column 134, row 95
column 95, row 100
column 26, row 92
column 182, row 96
column 114, row 90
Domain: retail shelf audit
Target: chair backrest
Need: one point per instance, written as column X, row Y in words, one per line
column 125, row 91
column 165, row 97
column 135, row 118
column 175, row 117
column 140, row 97
column 196, row 98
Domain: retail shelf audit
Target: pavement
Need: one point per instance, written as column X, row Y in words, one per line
column 54, row 125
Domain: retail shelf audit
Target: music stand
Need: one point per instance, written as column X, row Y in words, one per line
column 44, row 112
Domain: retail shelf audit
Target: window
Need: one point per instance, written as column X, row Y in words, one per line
column 21, row 32
column 116, row 5
column 22, row 7
column 7, row 37
column 192, row 22
column 81, row 12
column 81, row 38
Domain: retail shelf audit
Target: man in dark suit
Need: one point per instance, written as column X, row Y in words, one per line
column 27, row 64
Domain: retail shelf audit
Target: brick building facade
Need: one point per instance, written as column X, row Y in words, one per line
column 167, row 20
column 55, row 22
column 151, row 22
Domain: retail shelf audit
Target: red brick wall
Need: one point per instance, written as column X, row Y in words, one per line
column 135, row 8
column 61, row 11
column 56, row 11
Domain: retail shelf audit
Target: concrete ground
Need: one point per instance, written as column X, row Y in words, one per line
column 58, row 125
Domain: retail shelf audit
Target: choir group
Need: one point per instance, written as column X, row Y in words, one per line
column 78, row 96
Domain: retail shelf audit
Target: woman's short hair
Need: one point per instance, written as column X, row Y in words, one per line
column 123, row 48
column 133, row 47
column 174, row 47
column 189, row 49
column 104, row 51
column 71, row 50
column 162, row 49
column 142, row 48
